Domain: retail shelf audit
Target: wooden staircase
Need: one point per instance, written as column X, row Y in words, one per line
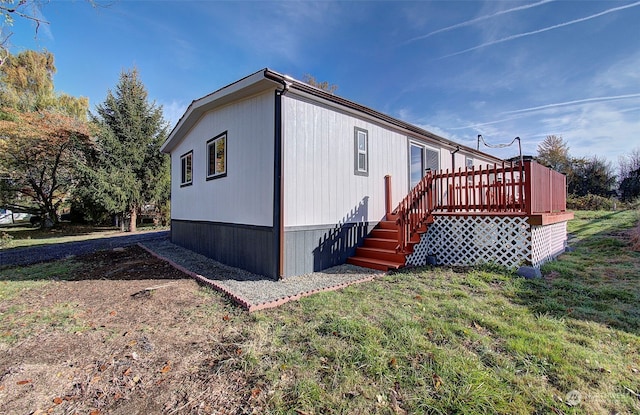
column 380, row 248
column 389, row 243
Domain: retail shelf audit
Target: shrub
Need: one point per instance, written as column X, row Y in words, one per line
column 5, row 239
column 590, row 202
column 635, row 238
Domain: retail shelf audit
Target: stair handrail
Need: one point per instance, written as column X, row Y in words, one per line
column 414, row 211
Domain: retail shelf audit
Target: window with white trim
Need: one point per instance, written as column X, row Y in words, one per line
column 186, row 169
column 361, row 152
column 217, row 157
column 468, row 162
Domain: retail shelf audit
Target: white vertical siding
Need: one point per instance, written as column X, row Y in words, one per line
column 245, row 195
column 320, row 187
column 461, row 157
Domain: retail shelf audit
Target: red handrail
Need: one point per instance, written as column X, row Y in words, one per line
column 414, row 211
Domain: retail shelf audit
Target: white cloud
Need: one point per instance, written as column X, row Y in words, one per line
column 545, row 29
column 620, row 74
column 173, row 110
column 574, row 102
column 478, row 19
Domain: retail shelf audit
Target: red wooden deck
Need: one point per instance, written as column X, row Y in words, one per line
column 507, row 189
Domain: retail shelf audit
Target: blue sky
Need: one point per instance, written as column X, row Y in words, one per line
column 457, row 68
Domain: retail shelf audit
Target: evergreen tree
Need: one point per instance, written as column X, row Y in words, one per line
column 129, row 170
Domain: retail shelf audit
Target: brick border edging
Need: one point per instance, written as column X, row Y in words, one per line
column 244, row 303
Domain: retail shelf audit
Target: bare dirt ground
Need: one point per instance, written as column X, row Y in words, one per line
column 100, row 342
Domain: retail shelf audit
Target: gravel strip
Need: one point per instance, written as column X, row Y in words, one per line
column 257, row 289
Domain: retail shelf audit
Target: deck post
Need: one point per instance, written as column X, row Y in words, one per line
column 387, row 195
column 528, row 188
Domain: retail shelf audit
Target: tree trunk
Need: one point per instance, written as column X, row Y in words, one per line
column 50, row 217
column 134, row 220
column 119, row 219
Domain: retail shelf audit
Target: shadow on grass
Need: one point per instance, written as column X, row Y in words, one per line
column 598, row 281
column 130, row 263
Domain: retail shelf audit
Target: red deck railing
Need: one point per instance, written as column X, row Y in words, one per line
column 519, row 189
column 529, row 188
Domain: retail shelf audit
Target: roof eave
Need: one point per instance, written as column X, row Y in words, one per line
column 247, row 86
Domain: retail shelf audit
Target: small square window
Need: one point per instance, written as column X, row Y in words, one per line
column 217, row 157
column 361, row 147
column 468, row 161
column 186, row 167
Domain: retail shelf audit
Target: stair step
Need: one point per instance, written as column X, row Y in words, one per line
column 377, row 253
column 387, row 224
column 391, row 217
column 384, row 233
column 381, row 243
column 372, row 263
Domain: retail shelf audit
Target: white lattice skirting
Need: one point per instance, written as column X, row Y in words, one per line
column 547, row 242
column 504, row 240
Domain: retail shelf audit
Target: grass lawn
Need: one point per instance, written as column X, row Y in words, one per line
column 474, row 341
column 439, row 340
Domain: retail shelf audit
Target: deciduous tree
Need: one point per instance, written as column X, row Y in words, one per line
column 38, row 154
column 130, row 170
column 24, row 9
column 324, row 85
column 553, row 152
column 629, row 175
column 591, row 176
column 41, row 136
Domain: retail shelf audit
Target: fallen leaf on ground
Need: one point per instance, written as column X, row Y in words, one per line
column 165, row 369
column 57, row 400
column 437, row 381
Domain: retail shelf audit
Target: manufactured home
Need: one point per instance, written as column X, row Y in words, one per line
column 277, row 177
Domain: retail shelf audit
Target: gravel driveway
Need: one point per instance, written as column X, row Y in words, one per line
column 35, row 254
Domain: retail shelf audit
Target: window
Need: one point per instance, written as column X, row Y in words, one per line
column 468, row 162
column 421, row 160
column 186, row 164
column 217, row 157
column 361, row 152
